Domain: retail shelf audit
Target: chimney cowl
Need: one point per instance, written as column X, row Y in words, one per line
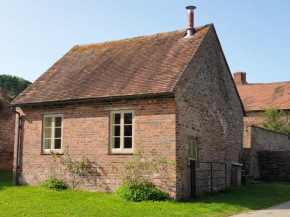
column 240, row 78
column 190, row 7
column 190, row 14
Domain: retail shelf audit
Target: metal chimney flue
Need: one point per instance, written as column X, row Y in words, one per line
column 190, row 14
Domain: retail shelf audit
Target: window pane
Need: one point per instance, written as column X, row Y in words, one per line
column 58, row 121
column 117, row 118
column 128, row 118
column 116, row 142
column 48, row 122
column 57, row 144
column 47, row 133
column 47, row 144
column 192, row 149
column 128, row 130
column 128, row 142
column 116, row 131
column 57, row 133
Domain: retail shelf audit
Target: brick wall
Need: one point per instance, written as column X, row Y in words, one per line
column 6, row 160
column 86, row 132
column 264, row 140
column 274, row 165
column 252, row 119
column 7, row 120
column 208, row 109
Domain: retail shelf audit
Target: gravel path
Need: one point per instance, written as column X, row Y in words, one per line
column 274, row 211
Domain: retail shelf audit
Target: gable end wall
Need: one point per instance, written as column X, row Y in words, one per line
column 209, row 109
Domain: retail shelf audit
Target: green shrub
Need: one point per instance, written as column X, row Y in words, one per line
column 277, row 121
column 142, row 192
column 54, row 184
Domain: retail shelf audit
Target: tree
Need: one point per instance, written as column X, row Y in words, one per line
column 277, row 120
column 13, row 85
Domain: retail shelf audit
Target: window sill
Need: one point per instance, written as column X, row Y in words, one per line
column 131, row 153
column 58, row 153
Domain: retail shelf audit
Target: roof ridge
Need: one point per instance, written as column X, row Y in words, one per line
column 138, row 37
column 252, row 84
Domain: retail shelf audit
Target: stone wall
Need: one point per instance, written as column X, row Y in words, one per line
column 7, row 120
column 86, row 132
column 263, row 140
column 274, row 165
column 208, row 109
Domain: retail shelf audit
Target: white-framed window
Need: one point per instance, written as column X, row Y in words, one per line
column 52, row 133
column 122, row 131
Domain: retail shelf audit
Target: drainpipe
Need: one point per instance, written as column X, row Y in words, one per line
column 13, row 109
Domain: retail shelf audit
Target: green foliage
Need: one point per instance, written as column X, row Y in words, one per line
column 76, row 169
column 54, row 184
column 142, row 192
column 13, row 85
column 143, row 164
column 277, row 121
column 135, row 174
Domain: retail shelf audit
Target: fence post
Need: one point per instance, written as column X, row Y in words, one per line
column 192, row 176
column 211, row 187
column 226, row 175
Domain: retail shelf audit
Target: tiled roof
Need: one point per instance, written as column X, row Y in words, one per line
column 257, row 97
column 144, row 65
column 4, row 97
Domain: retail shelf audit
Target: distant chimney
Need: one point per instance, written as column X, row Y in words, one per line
column 190, row 28
column 240, row 78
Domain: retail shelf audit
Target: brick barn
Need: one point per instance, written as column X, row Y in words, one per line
column 257, row 97
column 104, row 100
column 7, row 120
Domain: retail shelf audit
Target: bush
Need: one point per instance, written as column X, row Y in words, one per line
column 54, row 184
column 144, row 163
column 277, row 121
column 142, row 192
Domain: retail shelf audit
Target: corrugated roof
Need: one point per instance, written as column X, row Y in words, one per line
column 258, row 97
column 143, row 65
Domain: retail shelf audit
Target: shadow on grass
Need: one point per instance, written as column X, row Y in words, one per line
column 250, row 196
column 6, row 178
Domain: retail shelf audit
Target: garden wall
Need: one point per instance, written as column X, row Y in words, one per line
column 274, row 165
column 262, row 140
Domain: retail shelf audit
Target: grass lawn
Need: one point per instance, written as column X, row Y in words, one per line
column 35, row 201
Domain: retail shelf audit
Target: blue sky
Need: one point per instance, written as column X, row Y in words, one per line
column 255, row 35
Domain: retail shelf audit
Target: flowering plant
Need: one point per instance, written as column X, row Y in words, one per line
column 54, row 155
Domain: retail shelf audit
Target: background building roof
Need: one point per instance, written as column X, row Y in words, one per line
column 258, row 97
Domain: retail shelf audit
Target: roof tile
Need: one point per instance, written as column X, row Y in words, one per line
column 143, row 65
column 258, row 97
